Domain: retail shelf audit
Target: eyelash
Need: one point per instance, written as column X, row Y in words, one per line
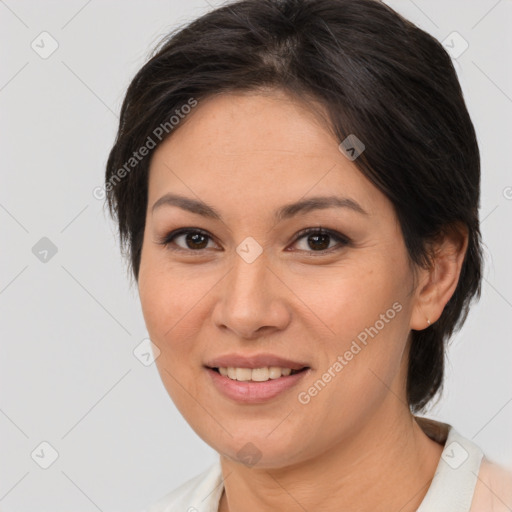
column 338, row 237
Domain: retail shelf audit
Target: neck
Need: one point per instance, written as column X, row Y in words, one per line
column 387, row 465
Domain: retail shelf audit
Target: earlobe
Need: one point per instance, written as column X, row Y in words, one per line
column 437, row 284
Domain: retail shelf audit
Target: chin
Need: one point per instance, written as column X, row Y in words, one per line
column 259, row 450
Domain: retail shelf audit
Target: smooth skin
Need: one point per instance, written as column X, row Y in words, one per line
column 355, row 445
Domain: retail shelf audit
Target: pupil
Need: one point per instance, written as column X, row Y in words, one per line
column 321, row 241
column 195, row 238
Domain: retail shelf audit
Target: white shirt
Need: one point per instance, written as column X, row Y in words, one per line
column 464, row 481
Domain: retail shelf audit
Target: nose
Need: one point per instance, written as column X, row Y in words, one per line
column 252, row 301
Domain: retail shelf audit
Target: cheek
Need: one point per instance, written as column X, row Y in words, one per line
column 159, row 289
column 168, row 311
column 366, row 309
column 347, row 299
column 165, row 299
column 176, row 304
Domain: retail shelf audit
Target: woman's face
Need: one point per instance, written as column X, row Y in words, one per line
column 249, row 291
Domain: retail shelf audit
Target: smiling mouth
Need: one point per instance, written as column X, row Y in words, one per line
column 257, row 374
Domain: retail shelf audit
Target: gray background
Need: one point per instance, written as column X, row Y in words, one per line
column 70, row 324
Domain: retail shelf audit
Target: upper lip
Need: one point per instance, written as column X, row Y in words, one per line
column 254, row 361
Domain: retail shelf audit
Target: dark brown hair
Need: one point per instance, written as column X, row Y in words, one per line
column 378, row 76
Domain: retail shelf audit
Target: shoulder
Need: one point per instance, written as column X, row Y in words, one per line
column 198, row 494
column 465, row 480
column 493, row 490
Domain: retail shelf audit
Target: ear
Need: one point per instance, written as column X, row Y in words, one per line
column 437, row 284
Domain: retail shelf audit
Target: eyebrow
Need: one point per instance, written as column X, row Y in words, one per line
column 283, row 213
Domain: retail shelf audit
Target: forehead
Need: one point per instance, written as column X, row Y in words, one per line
column 256, row 147
column 250, row 124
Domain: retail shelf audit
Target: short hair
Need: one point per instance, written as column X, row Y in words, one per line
column 378, row 76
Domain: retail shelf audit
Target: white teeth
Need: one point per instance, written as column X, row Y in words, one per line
column 243, row 373
column 260, row 374
column 274, row 372
column 255, row 374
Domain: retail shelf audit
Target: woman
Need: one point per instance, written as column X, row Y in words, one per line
column 296, row 184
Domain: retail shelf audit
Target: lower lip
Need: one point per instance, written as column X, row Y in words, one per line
column 250, row 392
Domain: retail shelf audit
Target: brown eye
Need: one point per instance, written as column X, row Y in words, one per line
column 320, row 242
column 190, row 239
column 320, row 239
column 196, row 240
